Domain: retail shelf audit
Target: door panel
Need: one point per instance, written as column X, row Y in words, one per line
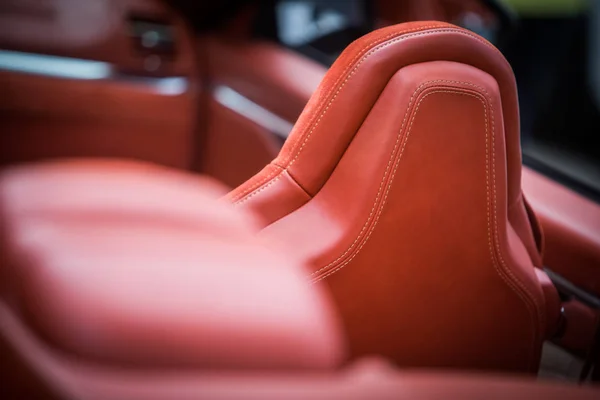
column 100, row 78
column 571, row 225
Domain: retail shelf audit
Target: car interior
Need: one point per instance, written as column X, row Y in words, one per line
column 299, row 199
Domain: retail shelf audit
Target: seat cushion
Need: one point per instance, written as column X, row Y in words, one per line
column 135, row 264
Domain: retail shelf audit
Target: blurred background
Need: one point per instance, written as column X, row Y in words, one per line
column 193, row 58
column 552, row 45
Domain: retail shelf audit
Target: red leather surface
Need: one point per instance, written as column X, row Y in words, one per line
column 52, row 376
column 46, row 118
column 278, row 79
column 234, row 147
column 128, row 264
column 414, row 214
column 266, row 74
column 570, row 222
column 120, row 115
column 148, row 288
column 571, row 225
column 311, row 152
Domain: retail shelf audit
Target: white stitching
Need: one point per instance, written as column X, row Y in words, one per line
column 254, row 193
column 531, row 297
column 494, row 248
column 363, row 52
column 371, row 52
column 390, row 182
column 271, row 174
column 388, row 166
column 380, row 44
column 322, row 112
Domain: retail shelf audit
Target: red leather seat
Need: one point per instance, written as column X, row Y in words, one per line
column 125, row 281
column 120, row 265
column 399, row 188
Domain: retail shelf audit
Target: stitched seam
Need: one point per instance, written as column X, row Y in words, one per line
column 387, row 169
column 390, row 182
column 366, row 56
column 257, row 185
column 492, row 249
column 343, row 75
column 496, row 248
column 380, row 44
column 321, row 112
column 250, row 195
column 539, row 316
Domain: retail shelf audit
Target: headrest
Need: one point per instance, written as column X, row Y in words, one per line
column 354, row 82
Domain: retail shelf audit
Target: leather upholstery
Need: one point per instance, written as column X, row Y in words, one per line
column 75, row 233
column 121, row 264
column 60, row 378
column 399, row 188
column 571, row 225
column 570, row 222
column 309, row 155
column 123, row 114
column 44, row 117
column 234, row 147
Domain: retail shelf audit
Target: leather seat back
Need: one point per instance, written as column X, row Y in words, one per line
column 399, row 187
